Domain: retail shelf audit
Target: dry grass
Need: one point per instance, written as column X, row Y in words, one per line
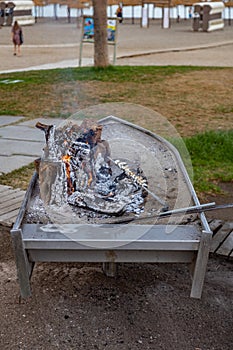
column 192, row 101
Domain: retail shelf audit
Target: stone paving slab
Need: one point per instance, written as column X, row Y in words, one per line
column 18, row 148
column 6, row 120
column 11, row 163
column 21, row 144
column 18, row 132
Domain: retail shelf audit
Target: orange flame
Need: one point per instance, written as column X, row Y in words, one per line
column 66, row 160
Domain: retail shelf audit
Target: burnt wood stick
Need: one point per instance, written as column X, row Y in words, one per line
column 45, row 128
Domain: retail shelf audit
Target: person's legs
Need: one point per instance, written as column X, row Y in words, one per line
column 14, row 49
column 19, row 50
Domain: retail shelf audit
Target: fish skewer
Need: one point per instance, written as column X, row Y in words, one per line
column 139, row 180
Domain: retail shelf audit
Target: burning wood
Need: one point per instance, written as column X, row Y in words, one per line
column 78, row 168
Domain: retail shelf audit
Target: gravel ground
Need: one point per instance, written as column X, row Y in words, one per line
column 147, row 306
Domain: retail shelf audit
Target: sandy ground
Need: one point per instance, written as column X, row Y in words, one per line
column 50, row 41
column 147, row 306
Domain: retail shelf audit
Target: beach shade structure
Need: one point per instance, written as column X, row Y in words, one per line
column 208, row 16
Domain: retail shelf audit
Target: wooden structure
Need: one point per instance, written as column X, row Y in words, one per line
column 229, row 5
column 163, row 4
column 40, row 2
column 76, row 4
column 10, row 202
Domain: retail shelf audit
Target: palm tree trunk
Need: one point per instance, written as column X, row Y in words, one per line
column 100, row 33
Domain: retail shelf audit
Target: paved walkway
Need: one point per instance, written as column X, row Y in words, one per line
column 55, row 44
column 20, row 144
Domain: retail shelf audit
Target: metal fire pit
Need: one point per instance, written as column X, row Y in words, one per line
column 39, row 235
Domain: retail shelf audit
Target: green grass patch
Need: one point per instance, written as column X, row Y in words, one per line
column 112, row 73
column 212, row 159
column 224, row 109
column 18, row 178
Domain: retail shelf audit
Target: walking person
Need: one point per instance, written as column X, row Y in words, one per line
column 17, row 38
column 119, row 13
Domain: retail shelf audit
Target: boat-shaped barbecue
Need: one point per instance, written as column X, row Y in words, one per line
column 97, row 198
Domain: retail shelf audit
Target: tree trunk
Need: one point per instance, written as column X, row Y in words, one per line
column 100, row 33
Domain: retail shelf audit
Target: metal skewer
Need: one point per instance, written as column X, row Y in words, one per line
column 141, row 185
column 189, row 210
column 156, row 197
